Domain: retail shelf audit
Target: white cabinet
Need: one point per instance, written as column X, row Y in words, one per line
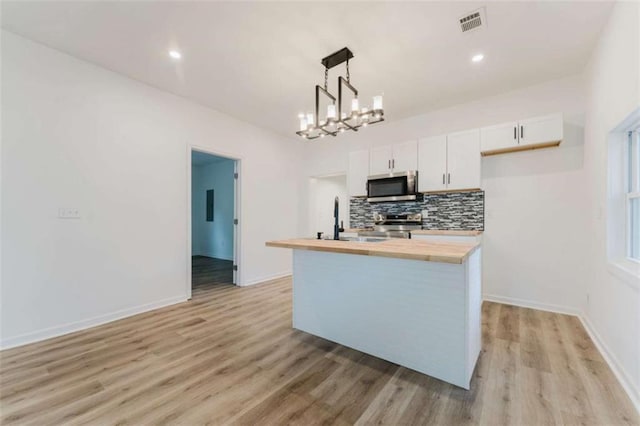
column 538, row 132
column 380, row 160
column 358, row 173
column 463, row 160
column 450, row 162
column 393, row 158
column 432, row 164
column 498, row 137
column 405, row 156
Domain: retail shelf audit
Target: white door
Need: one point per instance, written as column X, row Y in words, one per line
column 500, row 136
column 432, row 163
column 539, row 130
column 380, row 160
column 463, row 160
column 358, row 173
column 405, row 156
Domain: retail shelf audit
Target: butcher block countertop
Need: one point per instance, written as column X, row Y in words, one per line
column 429, row 251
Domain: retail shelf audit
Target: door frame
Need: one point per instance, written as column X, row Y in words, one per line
column 237, row 204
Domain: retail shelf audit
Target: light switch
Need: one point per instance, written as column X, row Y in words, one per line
column 69, row 213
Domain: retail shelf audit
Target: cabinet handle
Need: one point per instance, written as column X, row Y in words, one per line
column 448, row 178
column 521, row 132
column 393, row 163
column 515, row 133
column 443, row 178
column 389, row 164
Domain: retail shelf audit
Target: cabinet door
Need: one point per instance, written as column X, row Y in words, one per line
column 380, row 160
column 463, row 160
column 498, row 137
column 357, row 173
column 534, row 131
column 405, row 156
column 432, row 163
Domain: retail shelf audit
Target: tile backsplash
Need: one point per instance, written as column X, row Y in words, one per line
column 451, row 211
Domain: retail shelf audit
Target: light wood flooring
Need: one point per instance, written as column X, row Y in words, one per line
column 229, row 356
column 209, row 271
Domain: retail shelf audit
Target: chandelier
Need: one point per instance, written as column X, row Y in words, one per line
column 338, row 118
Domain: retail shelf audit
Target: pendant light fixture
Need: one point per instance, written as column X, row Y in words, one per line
column 338, row 117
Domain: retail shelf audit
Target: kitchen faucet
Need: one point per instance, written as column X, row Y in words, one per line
column 336, row 228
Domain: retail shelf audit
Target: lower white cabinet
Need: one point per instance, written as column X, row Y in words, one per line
column 357, row 173
column 449, row 162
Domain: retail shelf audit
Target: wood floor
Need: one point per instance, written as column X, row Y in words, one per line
column 229, row 356
column 209, row 271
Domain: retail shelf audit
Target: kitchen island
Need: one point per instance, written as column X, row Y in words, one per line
column 414, row 303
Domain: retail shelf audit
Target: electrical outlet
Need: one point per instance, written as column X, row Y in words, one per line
column 69, row 213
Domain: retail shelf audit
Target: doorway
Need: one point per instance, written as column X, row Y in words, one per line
column 213, row 224
column 322, row 193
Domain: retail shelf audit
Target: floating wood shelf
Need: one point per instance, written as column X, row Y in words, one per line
column 518, row 148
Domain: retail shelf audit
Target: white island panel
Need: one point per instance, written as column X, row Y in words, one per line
column 410, row 312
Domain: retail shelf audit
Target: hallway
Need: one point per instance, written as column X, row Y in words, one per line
column 208, row 271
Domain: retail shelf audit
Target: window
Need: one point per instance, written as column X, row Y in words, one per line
column 633, row 195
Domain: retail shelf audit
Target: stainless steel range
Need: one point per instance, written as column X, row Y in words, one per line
column 394, row 225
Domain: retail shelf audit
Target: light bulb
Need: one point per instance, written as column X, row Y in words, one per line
column 310, row 120
column 341, row 129
column 354, row 105
column 377, row 103
column 364, row 124
column 331, row 112
column 322, row 135
column 303, row 122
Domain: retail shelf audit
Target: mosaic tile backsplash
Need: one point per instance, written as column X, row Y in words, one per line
column 450, row 211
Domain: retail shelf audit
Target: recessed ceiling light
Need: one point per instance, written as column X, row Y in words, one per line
column 175, row 54
column 477, row 58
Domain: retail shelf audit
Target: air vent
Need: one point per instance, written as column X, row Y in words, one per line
column 473, row 21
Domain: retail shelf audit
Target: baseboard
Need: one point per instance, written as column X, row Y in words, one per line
column 558, row 309
column 266, row 278
column 61, row 330
column 622, row 376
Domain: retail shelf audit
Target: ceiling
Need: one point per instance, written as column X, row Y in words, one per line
column 259, row 61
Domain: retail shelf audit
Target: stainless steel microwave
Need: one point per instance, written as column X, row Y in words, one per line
column 392, row 187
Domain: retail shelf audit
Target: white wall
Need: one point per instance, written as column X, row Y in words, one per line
column 613, row 92
column 535, row 236
column 322, row 193
column 76, row 135
column 212, row 239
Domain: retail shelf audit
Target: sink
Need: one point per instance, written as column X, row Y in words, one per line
column 364, row 239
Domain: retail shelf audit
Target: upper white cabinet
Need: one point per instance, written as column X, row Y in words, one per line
column 463, row 160
column 358, row 173
column 394, row 158
column 432, row 164
column 538, row 132
column 380, row 160
column 499, row 136
column 450, row 162
column 405, row 156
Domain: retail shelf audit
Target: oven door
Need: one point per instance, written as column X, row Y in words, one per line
column 390, row 188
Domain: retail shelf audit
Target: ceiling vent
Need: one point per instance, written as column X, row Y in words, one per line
column 473, row 21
